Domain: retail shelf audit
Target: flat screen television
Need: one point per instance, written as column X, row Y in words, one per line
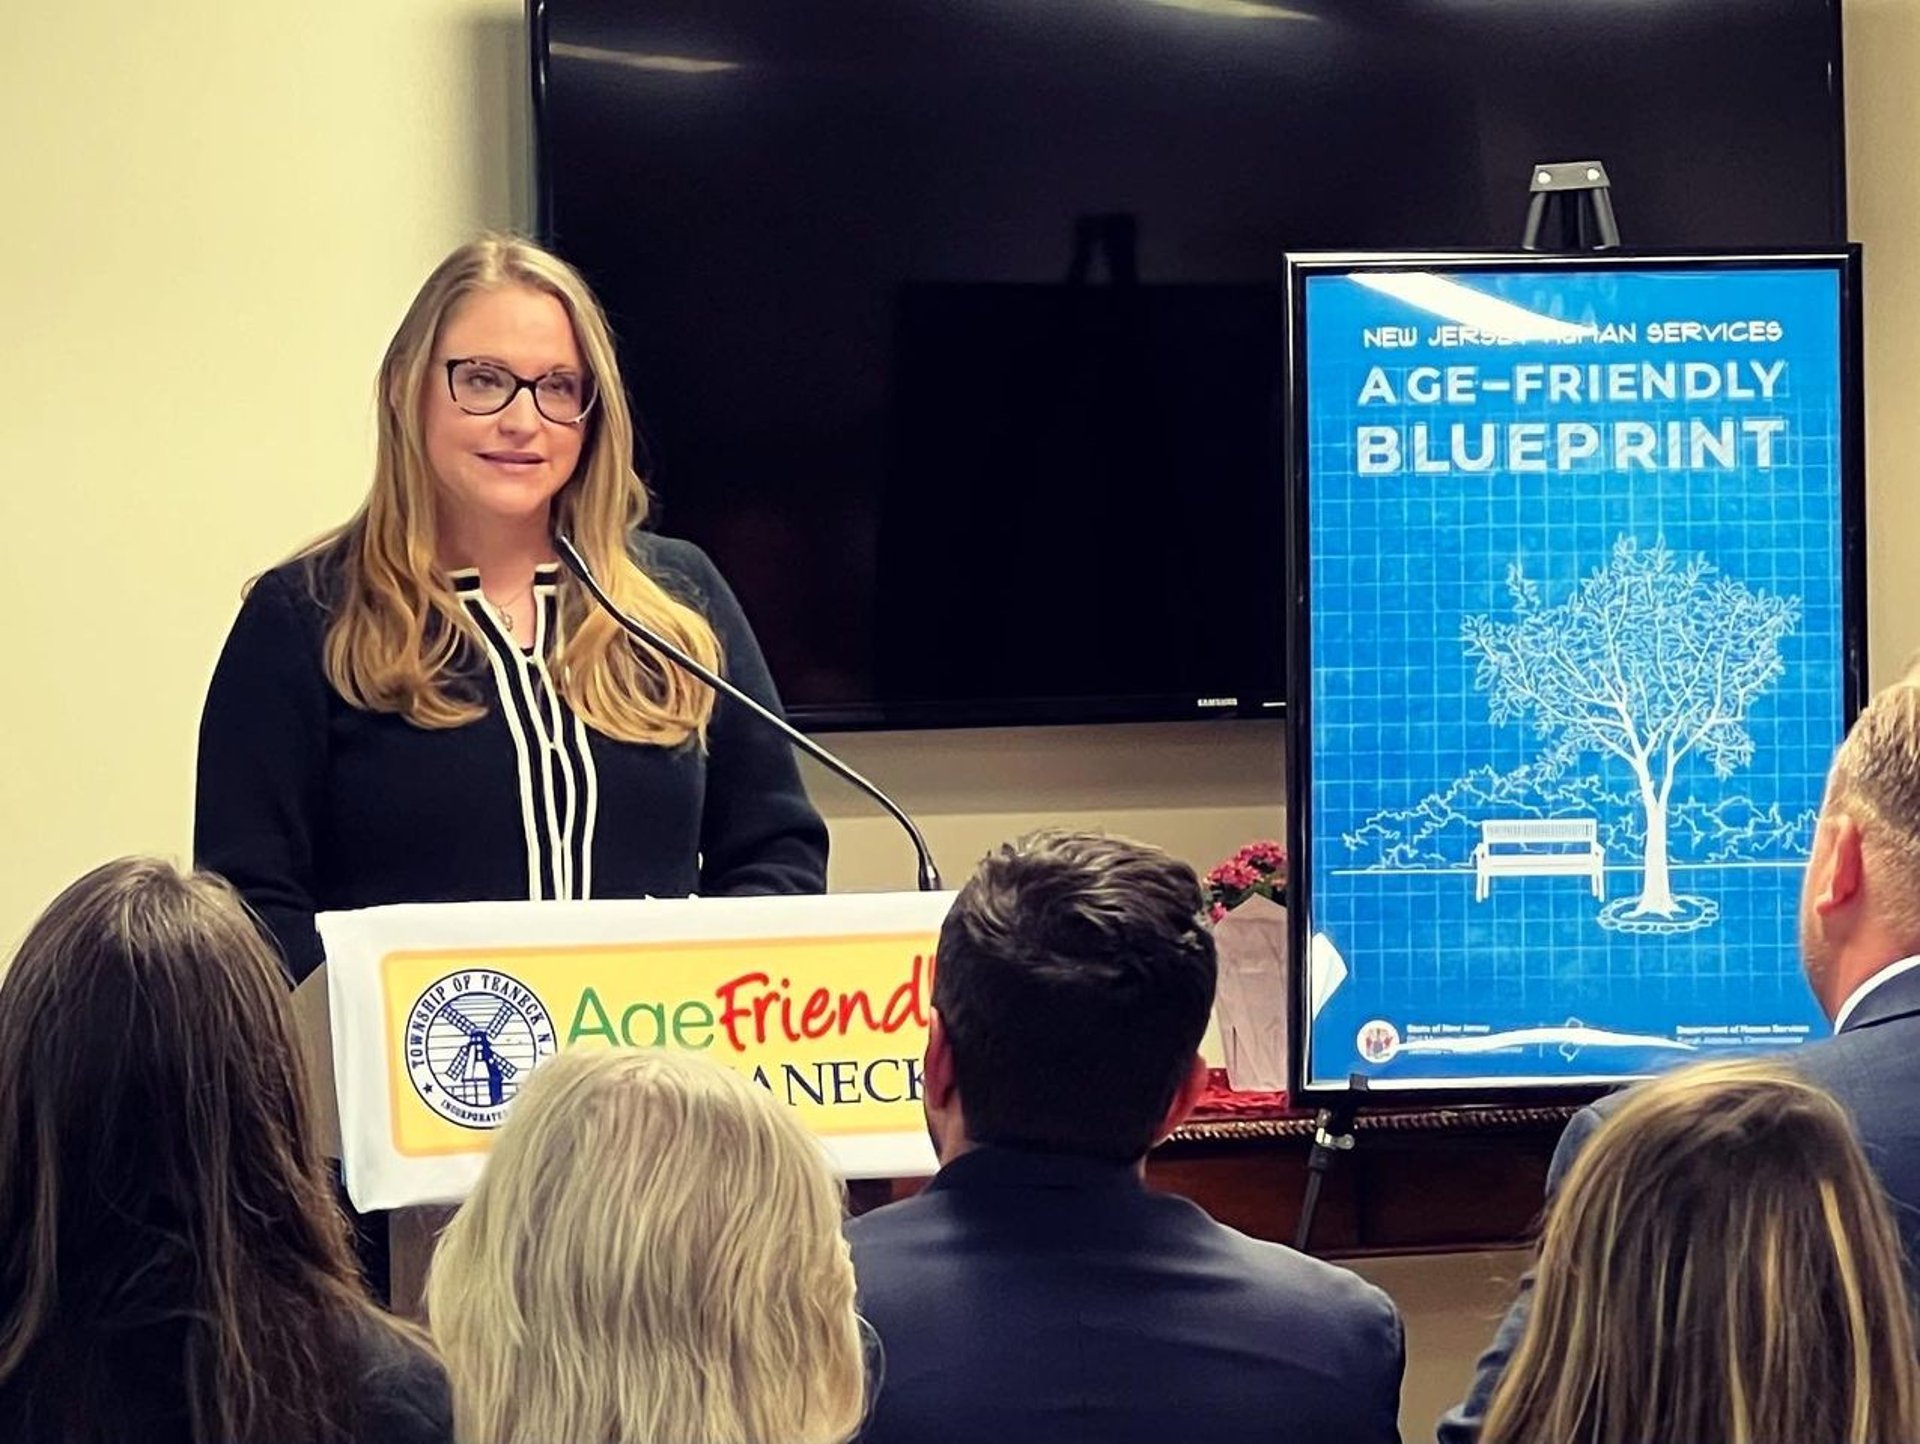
column 954, row 326
column 1579, row 609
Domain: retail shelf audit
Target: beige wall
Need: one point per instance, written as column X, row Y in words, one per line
column 1200, row 789
column 216, row 211
column 1883, row 123
column 1450, row 1304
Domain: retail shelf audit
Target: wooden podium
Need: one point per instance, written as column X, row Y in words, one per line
column 411, row 1232
column 315, row 1031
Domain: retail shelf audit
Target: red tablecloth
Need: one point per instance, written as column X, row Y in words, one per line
column 1221, row 1101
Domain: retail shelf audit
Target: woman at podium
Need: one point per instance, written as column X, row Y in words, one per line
column 422, row 706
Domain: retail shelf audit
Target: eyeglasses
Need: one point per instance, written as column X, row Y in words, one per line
column 481, row 388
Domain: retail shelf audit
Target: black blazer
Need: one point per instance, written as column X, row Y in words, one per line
column 1872, row 1066
column 1036, row 1297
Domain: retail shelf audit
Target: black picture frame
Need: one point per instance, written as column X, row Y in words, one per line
column 1844, row 261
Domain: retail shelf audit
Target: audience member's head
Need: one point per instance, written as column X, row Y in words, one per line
column 1073, row 983
column 1719, row 1264
column 171, row 1257
column 1860, row 908
column 652, row 1256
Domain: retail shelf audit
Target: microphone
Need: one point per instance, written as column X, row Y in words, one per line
column 577, row 564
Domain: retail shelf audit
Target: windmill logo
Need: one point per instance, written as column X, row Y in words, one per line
column 472, row 1038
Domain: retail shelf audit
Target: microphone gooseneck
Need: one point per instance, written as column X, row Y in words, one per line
column 577, row 564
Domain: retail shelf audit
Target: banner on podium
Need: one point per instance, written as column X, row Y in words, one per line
column 440, row 1011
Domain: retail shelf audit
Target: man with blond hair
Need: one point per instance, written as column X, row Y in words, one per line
column 1860, row 946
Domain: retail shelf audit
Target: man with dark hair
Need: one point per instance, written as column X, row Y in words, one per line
column 1038, row 1290
column 1860, row 946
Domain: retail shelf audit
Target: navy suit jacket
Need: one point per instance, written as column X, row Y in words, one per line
column 1029, row 1298
column 1872, row 1066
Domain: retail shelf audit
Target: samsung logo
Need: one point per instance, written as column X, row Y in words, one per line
column 1218, row 702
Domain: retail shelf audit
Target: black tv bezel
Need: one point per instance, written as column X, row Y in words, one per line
column 542, row 187
column 1086, row 710
column 931, row 714
column 1845, row 261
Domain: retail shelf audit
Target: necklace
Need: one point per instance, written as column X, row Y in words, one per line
column 504, row 610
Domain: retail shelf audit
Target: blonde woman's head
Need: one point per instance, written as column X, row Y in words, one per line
column 1719, row 1265
column 397, row 628
column 604, row 488
column 652, row 1256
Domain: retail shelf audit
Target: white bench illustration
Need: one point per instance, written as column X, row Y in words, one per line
column 1539, row 847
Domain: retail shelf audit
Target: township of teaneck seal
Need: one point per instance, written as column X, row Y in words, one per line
column 472, row 1037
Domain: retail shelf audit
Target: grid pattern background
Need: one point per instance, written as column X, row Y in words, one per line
column 1399, row 561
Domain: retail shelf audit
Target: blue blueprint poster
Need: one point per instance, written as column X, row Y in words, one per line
column 1576, row 665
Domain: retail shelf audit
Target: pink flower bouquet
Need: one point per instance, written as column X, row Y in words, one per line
column 1258, row 869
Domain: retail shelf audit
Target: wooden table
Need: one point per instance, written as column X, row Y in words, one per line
column 1420, row 1179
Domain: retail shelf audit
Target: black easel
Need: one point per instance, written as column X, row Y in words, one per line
column 1561, row 186
column 1333, row 1134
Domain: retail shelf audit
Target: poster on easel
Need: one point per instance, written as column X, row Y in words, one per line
column 1579, row 615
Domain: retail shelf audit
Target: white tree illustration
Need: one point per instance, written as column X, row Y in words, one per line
column 1651, row 659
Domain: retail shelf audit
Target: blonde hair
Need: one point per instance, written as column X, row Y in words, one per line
column 159, row 1171
column 1720, row 1264
column 1876, row 781
column 652, row 1256
column 397, row 627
